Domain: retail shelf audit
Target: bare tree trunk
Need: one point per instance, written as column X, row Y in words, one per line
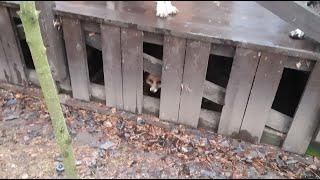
column 30, row 21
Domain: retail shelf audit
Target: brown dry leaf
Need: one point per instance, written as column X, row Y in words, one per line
column 312, row 166
column 18, row 96
column 107, row 124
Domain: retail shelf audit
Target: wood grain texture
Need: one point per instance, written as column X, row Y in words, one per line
column 132, row 69
column 171, row 79
column 5, row 74
column 53, row 41
column 264, row 89
column 77, row 58
column 12, row 48
column 194, row 75
column 112, row 68
column 242, row 74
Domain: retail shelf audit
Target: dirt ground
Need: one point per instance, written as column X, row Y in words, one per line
column 110, row 146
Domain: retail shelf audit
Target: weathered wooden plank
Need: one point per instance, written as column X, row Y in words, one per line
column 151, row 105
column 111, row 52
column 209, row 119
column 238, row 90
column 132, row 69
column 149, row 37
column 194, row 75
column 153, row 38
column 299, row 64
column 5, row 74
column 52, row 39
column 296, row 14
column 264, row 89
column 171, row 79
column 12, row 49
column 214, row 92
column 90, row 27
column 77, row 58
column 97, row 91
column 93, row 40
column 152, row 65
column 222, row 50
column 272, row 137
column 307, row 116
column 279, row 121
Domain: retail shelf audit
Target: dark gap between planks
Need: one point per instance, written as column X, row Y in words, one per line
column 218, row 72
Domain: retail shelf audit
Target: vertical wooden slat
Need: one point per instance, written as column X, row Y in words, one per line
column 53, row 42
column 171, row 79
column 5, row 74
column 77, row 58
column 194, row 74
column 11, row 47
column 307, row 116
column 238, row 89
column 132, row 69
column 139, row 83
column 262, row 95
column 111, row 52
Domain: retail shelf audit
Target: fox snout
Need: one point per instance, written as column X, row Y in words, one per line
column 153, row 89
column 154, row 82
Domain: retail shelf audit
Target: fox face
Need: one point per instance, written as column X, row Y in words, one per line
column 154, row 82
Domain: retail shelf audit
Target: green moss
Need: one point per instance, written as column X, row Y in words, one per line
column 29, row 17
column 314, row 149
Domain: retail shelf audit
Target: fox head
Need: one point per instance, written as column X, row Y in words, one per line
column 154, row 82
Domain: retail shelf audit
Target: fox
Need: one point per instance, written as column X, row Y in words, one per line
column 154, row 82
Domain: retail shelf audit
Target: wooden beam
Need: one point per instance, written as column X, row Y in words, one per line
column 112, row 68
column 263, row 91
column 214, row 93
column 152, row 65
column 272, row 137
column 238, row 90
column 296, row 14
column 153, row 38
column 97, row 91
column 93, row 40
column 299, row 64
column 77, row 58
column 172, row 70
column 194, row 75
column 223, row 50
column 279, row 121
column 151, row 105
column 307, row 116
column 209, row 120
column 149, row 37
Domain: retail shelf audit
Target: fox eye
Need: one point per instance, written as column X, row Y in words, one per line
column 159, row 82
column 150, row 81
